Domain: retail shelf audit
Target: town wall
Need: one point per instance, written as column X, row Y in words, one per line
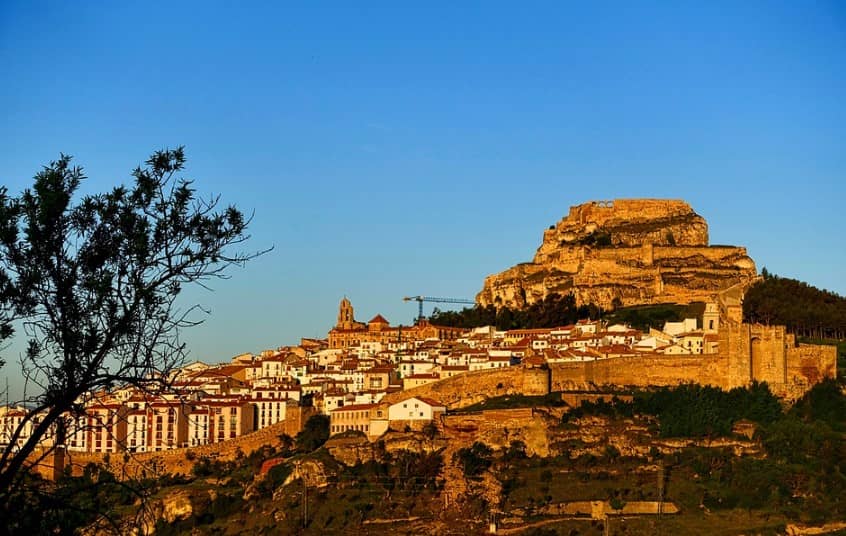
column 640, row 371
column 647, row 254
column 808, row 364
column 716, row 254
column 748, row 352
column 466, row 389
column 49, row 465
column 600, row 212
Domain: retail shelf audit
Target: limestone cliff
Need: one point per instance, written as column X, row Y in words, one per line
column 635, row 250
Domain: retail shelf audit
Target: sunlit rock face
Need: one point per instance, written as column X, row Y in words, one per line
column 630, row 251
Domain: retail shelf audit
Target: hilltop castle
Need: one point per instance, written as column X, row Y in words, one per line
column 623, row 252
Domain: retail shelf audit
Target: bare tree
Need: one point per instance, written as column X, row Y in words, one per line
column 91, row 281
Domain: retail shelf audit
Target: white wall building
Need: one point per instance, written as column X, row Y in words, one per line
column 415, row 409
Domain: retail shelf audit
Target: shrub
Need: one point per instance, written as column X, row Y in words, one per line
column 474, row 460
column 314, row 433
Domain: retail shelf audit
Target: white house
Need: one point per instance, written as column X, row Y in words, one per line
column 415, row 409
column 677, row 328
column 409, row 368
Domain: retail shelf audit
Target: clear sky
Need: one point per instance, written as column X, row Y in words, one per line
column 393, row 148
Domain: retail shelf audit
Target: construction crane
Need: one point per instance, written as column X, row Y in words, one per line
column 421, row 299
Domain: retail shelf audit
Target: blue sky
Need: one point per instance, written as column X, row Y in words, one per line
column 394, row 148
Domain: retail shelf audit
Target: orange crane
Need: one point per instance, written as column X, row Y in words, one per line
column 421, row 299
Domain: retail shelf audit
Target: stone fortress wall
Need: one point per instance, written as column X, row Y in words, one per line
column 789, row 371
column 466, row 389
column 600, row 213
column 747, row 353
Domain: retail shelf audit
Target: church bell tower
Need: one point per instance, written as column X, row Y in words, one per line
column 346, row 315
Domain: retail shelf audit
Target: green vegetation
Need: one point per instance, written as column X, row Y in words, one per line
column 43, row 507
column 556, row 310
column 314, row 433
column 692, row 410
column 474, row 460
column 643, row 317
column 696, row 411
column 94, row 279
column 275, row 478
column 616, row 409
column 553, row 311
column 518, row 401
column 797, row 477
column 800, row 478
column 806, row 310
column 824, row 403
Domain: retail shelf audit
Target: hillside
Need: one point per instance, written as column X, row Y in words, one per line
column 722, row 462
column 806, row 310
column 623, row 252
column 555, row 310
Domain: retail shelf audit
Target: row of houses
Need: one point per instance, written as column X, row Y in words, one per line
column 207, row 404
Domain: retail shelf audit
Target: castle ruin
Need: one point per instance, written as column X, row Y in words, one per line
column 623, row 252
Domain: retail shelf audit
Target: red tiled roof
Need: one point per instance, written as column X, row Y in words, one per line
column 534, row 360
column 530, row 331
column 430, row 401
column 354, row 407
column 381, row 369
column 423, row 375
column 378, row 319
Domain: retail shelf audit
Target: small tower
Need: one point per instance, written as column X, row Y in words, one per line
column 711, row 318
column 346, row 315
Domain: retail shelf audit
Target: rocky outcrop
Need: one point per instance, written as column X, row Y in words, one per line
column 175, row 506
column 630, row 251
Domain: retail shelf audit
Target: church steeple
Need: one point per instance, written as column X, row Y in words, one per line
column 346, row 315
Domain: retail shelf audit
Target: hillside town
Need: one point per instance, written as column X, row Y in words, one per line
column 344, row 376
